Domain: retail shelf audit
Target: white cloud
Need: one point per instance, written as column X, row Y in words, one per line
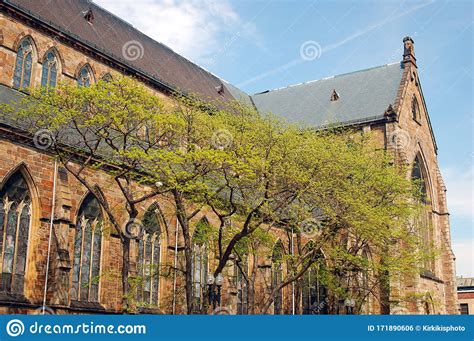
column 195, row 29
column 464, row 252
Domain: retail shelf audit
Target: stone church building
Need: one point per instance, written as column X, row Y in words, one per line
column 43, row 42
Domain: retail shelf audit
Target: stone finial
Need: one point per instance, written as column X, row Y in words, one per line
column 408, row 51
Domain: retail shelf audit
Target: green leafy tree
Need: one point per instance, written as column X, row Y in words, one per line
column 105, row 126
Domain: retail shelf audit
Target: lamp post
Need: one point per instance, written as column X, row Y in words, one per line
column 350, row 304
column 214, row 296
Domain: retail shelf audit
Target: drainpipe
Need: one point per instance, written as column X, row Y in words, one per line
column 53, row 206
column 175, row 266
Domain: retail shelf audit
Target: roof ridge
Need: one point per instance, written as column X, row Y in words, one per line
column 152, row 39
column 325, row 78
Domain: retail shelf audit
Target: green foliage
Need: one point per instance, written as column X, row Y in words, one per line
column 253, row 169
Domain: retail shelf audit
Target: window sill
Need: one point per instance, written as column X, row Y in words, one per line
column 87, row 306
column 426, row 274
column 149, row 311
column 7, row 299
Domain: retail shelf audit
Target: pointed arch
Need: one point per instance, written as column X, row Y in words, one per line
column 149, row 256
column 277, row 276
column 25, row 59
column 51, row 68
column 15, row 224
column 85, row 75
column 419, row 171
column 106, row 77
column 22, row 167
column 415, row 109
column 87, row 251
column 420, row 176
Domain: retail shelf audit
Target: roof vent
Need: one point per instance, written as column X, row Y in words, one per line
column 334, row 96
column 88, row 15
column 220, row 89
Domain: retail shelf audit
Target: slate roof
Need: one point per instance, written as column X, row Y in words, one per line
column 109, row 33
column 9, row 96
column 363, row 96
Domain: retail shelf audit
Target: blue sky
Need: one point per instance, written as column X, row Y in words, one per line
column 256, row 46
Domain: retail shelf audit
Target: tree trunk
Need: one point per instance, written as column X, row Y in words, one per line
column 125, row 270
column 188, row 252
column 384, row 287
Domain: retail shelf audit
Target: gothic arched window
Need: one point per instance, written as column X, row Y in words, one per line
column 415, row 109
column 200, row 262
column 23, row 64
column 15, row 217
column 423, row 222
column 84, row 77
column 418, row 177
column 87, row 251
column 49, row 72
column 314, row 293
column 277, row 277
column 149, row 257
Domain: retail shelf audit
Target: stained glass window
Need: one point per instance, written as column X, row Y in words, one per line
column 200, row 262
column 424, row 220
column 49, row 70
column 417, row 176
column 87, row 251
column 23, row 65
column 15, row 213
column 314, row 293
column 149, row 257
column 277, row 278
column 84, row 77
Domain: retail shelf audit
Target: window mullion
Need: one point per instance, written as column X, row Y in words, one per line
column 93, row 226
column 83, row 227
column 7, row 206
column 15, row 246
column 152, row 241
